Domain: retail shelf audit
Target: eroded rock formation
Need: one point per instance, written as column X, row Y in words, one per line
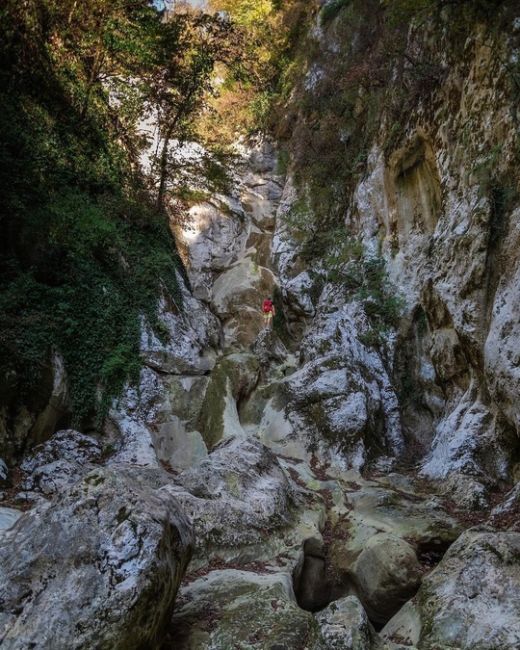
column 324, row 480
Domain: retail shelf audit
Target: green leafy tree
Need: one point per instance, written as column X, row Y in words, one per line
column 84, row 252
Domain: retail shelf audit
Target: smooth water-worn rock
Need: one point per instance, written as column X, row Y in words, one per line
column 471, row 600
column 238, row 295
column 387, row 573
column 235, row 499
column 239, row 609
column 212, row 236
column 99, row 567
column 232, row 380
column 8, row 517
column 378, row 536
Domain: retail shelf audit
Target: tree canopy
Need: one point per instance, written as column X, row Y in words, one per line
column 85, row 249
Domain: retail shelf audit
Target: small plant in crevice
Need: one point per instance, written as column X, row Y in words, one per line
column 382, row 305
column 334, row 256
column 363, row 278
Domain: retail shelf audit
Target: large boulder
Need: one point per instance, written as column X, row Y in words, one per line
column 344, row 625
column 60, row 462
column 394, row 507
column 99, row 567
column 471, row 601
column 237, row 499
column 387, row 573
column 240, row 609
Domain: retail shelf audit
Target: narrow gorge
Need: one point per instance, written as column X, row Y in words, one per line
column 344, row 478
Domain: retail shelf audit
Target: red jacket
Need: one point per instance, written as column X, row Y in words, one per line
column 267, row 306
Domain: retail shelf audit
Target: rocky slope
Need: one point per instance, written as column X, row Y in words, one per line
column 303, row 487
column 222, row 444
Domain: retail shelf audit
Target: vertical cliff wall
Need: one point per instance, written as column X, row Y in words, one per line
column 417, row 123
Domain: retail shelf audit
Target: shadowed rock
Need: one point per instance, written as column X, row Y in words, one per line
column 99, row 567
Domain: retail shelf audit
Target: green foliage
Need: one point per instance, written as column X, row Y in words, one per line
column 364, row 278
column 267, row 32
column 83, row 254
column 382, row 305
column 282, row 162
column 365, row 91
column 345, row 264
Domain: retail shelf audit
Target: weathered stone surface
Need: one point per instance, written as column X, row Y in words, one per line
column 8, row 517
column 470, row 601
column 239, row 290
column 232, row 380
column 131, row 423
column 4, row 474
column 405, row 626
column 33, row 420
column 212, row 236
column 343, row 390
column 465, row 450
column 344, row 625
column 387, row 573
column 373, row 512
column 60, row 462
column 454, row 259
column 58, row 405
column 233, row 499
column 243, row 610
column 191, row 333
column 502, row 342
column 507, row 513
column 97, row 567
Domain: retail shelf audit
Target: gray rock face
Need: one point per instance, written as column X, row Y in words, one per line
column 344, row 625
column 191, row 333
column 97, row 568
column 31, row 422
column 4, row 474
column 343, row 390
column 507, row 513
column 240, row 609
column 233, row 498
column 471, row 601
column 387, row 574
column 8, row 517
column 232, row 380
column 60, row 462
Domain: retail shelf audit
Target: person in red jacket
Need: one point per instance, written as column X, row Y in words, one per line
column 269, row 312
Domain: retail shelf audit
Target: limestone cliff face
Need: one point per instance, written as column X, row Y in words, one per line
column 274, row 479
column 440, row 204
